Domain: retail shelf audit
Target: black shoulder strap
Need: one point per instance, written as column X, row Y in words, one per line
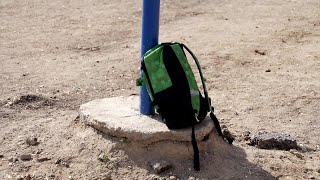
column 218, row 127
column 196, row 162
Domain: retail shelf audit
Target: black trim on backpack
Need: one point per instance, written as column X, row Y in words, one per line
column 143, row 67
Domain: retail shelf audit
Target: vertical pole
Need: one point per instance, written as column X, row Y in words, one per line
column 149, row 38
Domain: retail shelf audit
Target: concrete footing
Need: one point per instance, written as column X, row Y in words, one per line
column 120, row 116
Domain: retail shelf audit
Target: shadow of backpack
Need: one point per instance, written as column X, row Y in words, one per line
column 174, row 92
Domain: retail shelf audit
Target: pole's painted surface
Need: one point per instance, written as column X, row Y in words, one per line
column 149, row 38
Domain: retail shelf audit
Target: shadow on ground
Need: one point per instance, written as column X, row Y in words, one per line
column 218, row 159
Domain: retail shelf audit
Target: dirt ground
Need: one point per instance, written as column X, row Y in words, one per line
column 261, row 61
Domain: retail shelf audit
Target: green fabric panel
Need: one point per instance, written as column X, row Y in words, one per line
column 157, row 71
column 195, row 97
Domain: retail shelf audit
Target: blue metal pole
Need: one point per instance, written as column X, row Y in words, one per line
column 149, row 38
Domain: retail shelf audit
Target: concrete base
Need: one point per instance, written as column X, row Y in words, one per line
column 120, row 116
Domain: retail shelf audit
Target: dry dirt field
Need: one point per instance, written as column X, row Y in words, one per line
column 261, row 61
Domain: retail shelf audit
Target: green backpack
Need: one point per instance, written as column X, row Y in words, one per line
column 174, row 92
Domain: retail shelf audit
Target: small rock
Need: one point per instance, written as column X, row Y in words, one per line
column 304, row 148
column 27, row 177
column 58, row 161
column 32, row 141
column 43, row 159
column 103, row 157
column 173, row 178
column 62, row 163
column 1, row 156
column 19, row 177
column 268, row 70
column 246, row 133
column 12, row 159
column 274, row 168
column 246, row 136
column 65, row 164
column 262, row 53
column 318, row 170
column 283, row 157
column 95, row 49
column 160, row 166
column 8, row 104
column 311, row 177
column 26, row 157
column 281, row 141
column 155, row 177
column 228, row 135
column 307, row 170
column 296, row 153
column 191, row 178
column 52, row 176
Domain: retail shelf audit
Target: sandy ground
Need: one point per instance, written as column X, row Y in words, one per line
column 261, row 60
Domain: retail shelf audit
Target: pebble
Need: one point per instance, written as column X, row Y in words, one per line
column 173, row 178
column 227, row 134
column 43, row 159
column 312, row 177
column 57, row 161
column 27, row 177
column 62, row 163
column 304, row 148
column 103, row 157
column 13, row 159
column 246, row 135
column 160, row 166
column 296, row 153
column 19, row 177
column 307, row 170
column 52, row 176
column 32, row 141
column 26, row 157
